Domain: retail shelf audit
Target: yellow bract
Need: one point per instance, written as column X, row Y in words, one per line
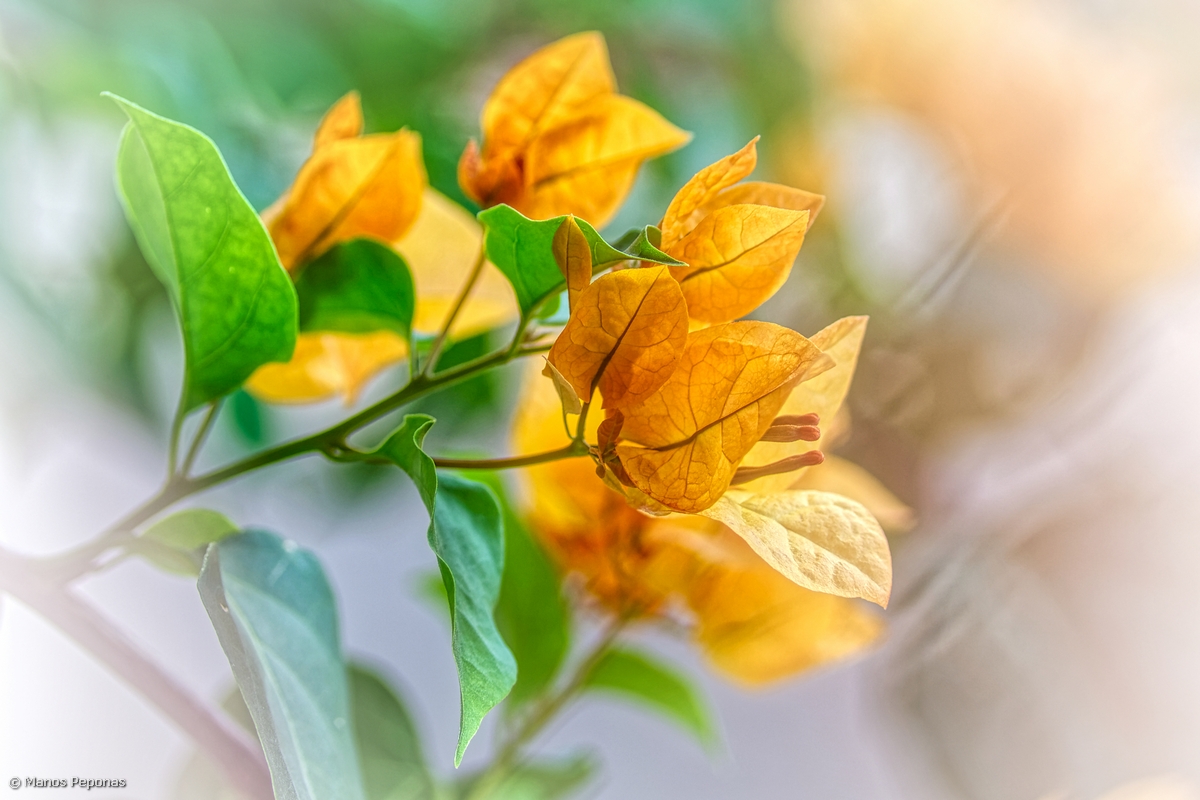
column 325, row 365
column 738, row 240
column 352, row 186
column 823, row 395
column 557, row 139
column 824, row 542
column 625, row 335
column 683, row 443
column 839, row 476
column 573, row 255
column 753, row 623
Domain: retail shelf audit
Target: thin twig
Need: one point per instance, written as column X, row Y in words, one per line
column 215, row 734
column 201, row 434
column 440, row 341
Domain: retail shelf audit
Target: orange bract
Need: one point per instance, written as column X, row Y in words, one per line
column 682, row 444
column 353, row 186
column 557, row 139
column 738, row 240
column 625, row 336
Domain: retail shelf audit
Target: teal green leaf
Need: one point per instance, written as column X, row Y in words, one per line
column 645, row 247
column 522, row 249
column 532, row 613
column 236, row 305
column 466, row 535
column 653, row 684
column 357, row 287
column 536, row 780
column 275, row 617
column 175, row 544
column 389, row 746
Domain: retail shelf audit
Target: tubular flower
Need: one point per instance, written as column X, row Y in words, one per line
column 558, row 139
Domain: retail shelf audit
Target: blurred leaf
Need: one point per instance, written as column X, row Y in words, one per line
column 247, row 416
column 537, row 780
column 358, row 287
column 465, row 533
column 389, row 746
column 236, row 305
column 654, row 685
column 176, row 543
column 523, row 249
column 532, row 613
column 275, row 617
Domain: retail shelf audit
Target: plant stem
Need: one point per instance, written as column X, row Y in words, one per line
column 176, row 433
column 218, row 737
column 545, row 712
column 205, row 426
column 440, row 341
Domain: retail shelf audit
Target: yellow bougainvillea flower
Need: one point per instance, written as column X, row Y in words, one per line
column 558, row 139
column 738, row 239
column 438, row 239
column 352, row 186
column 754, row 624
column 823, row 396
column 682, row 445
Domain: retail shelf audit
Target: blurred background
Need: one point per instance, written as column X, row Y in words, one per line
column 1014, row 198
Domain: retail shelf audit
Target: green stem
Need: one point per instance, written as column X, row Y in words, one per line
column 440, row 341
column 176, row 434
column 205, row 426
column 507, row 757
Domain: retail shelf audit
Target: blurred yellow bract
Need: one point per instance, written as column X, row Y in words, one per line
column 558, row 139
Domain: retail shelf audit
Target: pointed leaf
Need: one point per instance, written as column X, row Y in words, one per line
column 466, row 535
column 176, row 544
column 544, row 779
column 357, row 287
column 824, row 542
column 275, row 617
column 523, row 249
column 737, row 256
column 682, row 444
column 645, row 246
column 839, row 476
column 655, row 685
column 625, row 335
column 236, row 307
column 389, row 745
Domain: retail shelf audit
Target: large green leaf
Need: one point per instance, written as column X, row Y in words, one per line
column 357, row 287
column 389, row 746
column 465, row 533
column 532, row 612
column 236, row 304
column 522, row 249
column 274, row 614
column 653, row 684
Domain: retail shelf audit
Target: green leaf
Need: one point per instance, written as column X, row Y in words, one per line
column 236, row 304
column 358, row 287
column 389, row 746
column 176, row 543
column 656, row 685
column 532, row 613
column 275, row 617
column 645, row 247
column 465, row 533
column 248, row 417
column 537, row 780
column 522, row 249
